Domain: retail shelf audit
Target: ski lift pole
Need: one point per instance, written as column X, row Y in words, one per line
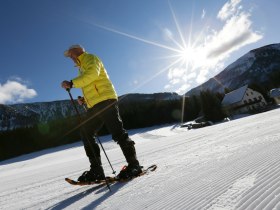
column 80, row 119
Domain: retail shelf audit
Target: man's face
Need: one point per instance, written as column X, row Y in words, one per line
column 75, row 53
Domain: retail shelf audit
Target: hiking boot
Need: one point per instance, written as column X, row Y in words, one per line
column 91, row 176
column 128, row 149
column 130, row 171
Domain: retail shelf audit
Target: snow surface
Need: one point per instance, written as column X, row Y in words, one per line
column 232, row 165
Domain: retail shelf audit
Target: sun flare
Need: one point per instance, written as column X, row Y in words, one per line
column 187, row 55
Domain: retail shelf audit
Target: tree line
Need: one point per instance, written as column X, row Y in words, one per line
column 136, row 114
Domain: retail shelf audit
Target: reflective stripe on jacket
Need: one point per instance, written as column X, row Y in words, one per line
column 93, row 80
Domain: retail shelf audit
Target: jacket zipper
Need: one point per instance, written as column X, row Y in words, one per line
column 96, row 89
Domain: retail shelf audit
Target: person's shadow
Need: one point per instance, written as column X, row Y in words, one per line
column 97, row 189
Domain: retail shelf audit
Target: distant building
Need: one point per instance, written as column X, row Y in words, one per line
column 275, row 94
column 243, row 100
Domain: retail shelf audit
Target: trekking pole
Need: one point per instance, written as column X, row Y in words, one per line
column 114, row 172
column 80, row 119
column 97, row 137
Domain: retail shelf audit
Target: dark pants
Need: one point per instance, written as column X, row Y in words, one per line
column 106, row 112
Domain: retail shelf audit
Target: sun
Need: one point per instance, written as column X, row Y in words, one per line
column 191, row 57
column 187, row 55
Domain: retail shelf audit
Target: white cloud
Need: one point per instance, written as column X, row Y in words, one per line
column 229, row 9
column 168, row 86
column 183, row 89
column 177, row 77
column 236, row 33
column 202, row 76
column 175, row 73
column 15, row 92
column 190, row 76
column 203, row 14
column 167, row 34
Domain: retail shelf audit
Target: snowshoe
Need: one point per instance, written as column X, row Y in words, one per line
column 129, row 172
column 91, row 176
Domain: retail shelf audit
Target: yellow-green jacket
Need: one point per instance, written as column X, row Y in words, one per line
column 93, row 80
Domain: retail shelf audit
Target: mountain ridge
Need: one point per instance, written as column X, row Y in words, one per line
column 28, row 114
column 253, row 67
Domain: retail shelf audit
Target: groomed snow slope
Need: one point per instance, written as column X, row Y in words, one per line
column 233, row 165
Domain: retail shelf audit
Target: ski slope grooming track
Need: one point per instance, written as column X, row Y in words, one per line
column 232, row 165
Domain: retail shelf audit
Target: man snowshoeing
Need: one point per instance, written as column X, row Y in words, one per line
column 101, row 100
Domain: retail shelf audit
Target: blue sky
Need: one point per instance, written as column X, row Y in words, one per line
column 146, row 46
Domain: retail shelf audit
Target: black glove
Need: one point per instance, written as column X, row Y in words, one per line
column 66, row 84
